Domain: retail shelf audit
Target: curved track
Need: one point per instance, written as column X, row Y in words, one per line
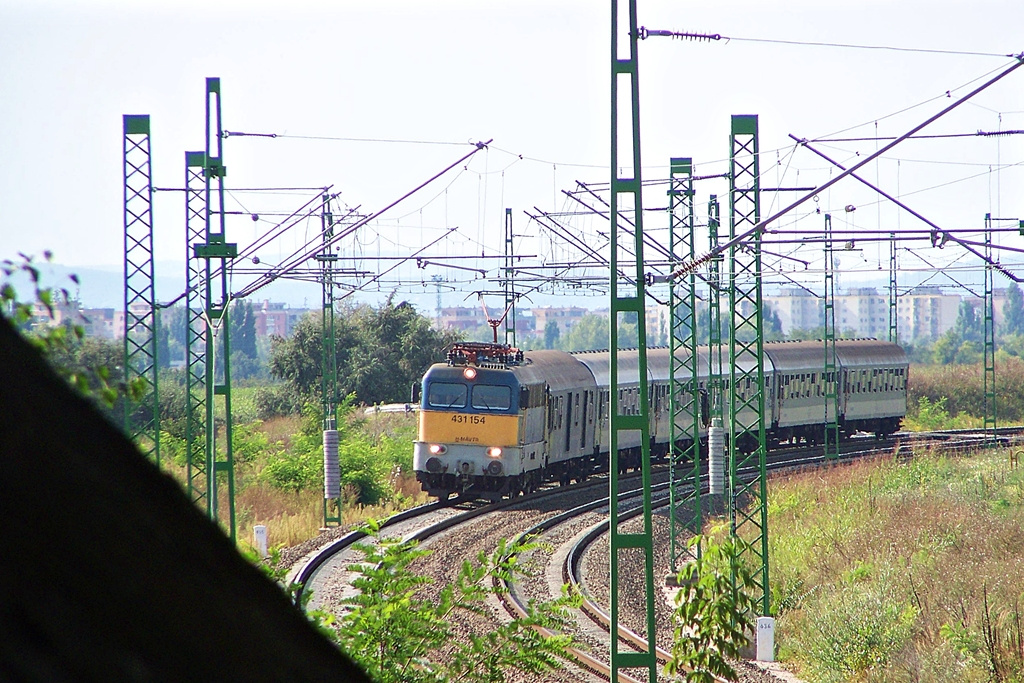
column 572, row 522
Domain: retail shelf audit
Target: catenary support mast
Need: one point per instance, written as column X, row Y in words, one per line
column 216, row 305
column 830, row 377
column 748, row 500
column 628, row 397
column 329, row 370
column 195, row 333
column 988, row 315
column 142, row 418
column 684, row 396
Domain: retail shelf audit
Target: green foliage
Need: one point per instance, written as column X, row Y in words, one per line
column 772, row 324
column 381, row 352
column 931, row 416
column 366, row 461
column 91, row 366
column 275, row 400
column 713, row 614
column 1013, row 311
column 962, row 387
column 856, row 631
column 588, row 334
column 551, row 334
column 899, row 570
column 398, row 632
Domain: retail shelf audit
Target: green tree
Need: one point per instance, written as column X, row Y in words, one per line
column 172, row 340
column 243, row 329
column 398, row 633
column 380, row 352
column 714, row 611
column 962, row 342
column 551, row 334
column 93, row 367
column 968, row 325
column 589, row 334
column 772, row 324
column 1013, row 311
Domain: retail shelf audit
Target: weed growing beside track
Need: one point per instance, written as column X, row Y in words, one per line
column 901, row 570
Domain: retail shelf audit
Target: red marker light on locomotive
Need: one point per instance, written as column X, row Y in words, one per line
column 469, row 373
column 437, row 448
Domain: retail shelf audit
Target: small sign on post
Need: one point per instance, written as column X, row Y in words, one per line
column 259, row 533
column 766, row 639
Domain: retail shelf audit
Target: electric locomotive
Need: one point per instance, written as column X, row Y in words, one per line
column 496, row 422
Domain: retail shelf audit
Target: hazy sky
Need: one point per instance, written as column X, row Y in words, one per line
column 532, row 75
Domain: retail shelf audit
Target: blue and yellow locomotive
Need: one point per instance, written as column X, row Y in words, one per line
column 496, row 422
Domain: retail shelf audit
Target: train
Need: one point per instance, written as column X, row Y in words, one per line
column 497, row 422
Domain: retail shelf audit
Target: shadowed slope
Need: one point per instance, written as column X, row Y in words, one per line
column 107, row 572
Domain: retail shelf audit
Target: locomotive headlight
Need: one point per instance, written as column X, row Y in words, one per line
column 437, row 449
column 494, row 452
column 469, row 373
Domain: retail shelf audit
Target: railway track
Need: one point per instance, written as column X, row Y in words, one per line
column 572, row 522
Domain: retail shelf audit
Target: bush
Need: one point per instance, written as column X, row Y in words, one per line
column 856, row 631
column 274, row 401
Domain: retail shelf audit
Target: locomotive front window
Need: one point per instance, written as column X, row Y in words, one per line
column 447, row 395
column 492, row 397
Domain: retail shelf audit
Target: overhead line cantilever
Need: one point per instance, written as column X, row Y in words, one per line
column 298, row 260
column 761, row 225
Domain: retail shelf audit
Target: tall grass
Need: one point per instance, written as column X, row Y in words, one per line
column 294, row 516
column 963, row 388
column 901, row 571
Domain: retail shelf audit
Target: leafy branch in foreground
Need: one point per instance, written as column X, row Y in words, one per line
column 714, row 612
column 61, row 344
column 396, row 633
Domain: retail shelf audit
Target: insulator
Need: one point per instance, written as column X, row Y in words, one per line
column 332, row 471
column 716, row 459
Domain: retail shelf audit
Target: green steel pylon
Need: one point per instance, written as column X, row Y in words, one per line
column 894, row 320
column 141, row 419
column 990, row 338
column 510, row 282
column 748, row 500
column 716, row 395
column 684, row 392
column 195, row 332
column 216, row 304
column 627, row 303
column 830, row 376
column 329, row 352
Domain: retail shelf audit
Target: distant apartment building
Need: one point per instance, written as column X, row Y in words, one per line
column 797, row 309
column 863, row 311
column 564, row 317
column 926, row 313
column 274, row 318
column 464, row 318
column 99, row 322
column 461, row 318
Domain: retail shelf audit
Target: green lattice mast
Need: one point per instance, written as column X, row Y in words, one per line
column 748, row 487
column 830, row 376
column 195, row 333
column 627, row 304
column 990, row 338
column 141, row 418
column 216, row 306
column 684, row 393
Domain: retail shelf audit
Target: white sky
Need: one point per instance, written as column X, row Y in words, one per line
column 533, row 75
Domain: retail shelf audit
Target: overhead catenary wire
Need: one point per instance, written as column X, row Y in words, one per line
column 715, row 37
column 760, row 226
column 316, row 245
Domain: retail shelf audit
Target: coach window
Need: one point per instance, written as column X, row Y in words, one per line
column 576, row 411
